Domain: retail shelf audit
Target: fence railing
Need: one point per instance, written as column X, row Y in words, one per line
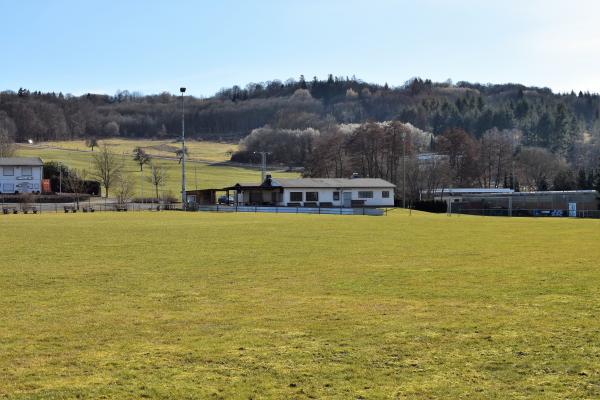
column 501, row 212
column 293, row 210
column 83, row 206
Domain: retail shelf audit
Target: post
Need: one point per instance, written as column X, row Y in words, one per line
column 183, row 194
column 60, row 178
column 142, row 184
column 403, row 169
column 263, row 164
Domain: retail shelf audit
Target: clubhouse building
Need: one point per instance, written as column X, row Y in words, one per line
column 307, row 192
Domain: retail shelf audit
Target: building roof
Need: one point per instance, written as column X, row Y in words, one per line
column 544, row 193
column 333, row 183
column 21, row 161
column 451, row 191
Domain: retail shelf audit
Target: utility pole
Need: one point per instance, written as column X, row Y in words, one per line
column 183, row 194
column 142, row 184
column 263, row 164
column 403, row 169
column 60, row 178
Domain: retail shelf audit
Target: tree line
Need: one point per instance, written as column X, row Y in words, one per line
column 421, row 163
column 549, row 120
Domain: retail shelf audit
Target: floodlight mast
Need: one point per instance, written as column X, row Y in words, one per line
column 263, row 164
column 183, row 193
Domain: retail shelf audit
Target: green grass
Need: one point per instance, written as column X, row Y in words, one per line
column 202, row 174
column 198, row 150
column 196, row 306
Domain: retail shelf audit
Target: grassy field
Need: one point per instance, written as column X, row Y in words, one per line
column 198, row 306
column 198, row 150
column 199, row 174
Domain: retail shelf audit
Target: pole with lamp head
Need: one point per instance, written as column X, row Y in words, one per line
column 183, row 194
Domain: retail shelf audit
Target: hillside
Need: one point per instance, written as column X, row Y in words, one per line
column 554, row 121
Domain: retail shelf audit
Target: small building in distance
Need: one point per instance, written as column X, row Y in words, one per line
column 455, row 195
column 306, row 192
column 21, row 175
column 478, row 201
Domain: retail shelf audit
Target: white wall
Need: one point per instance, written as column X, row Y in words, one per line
column 326, row 195
column 19, row 182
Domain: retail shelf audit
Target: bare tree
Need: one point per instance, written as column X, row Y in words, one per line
column 179, row 153
column 141, row 157
column 157, row 177
column 7, row 146
column 496, row 156
column 538, row 167
column 76, row 183
column 124, row 189
column 91, row 142
column 107, row 168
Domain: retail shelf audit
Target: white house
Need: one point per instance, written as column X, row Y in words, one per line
column 317, row 192
column 21, row 175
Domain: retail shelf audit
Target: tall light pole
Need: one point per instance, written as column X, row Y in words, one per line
column 263, row 164
column 403, row 169
column 183, row 194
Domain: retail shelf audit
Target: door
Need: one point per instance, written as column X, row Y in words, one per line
column 347, row 199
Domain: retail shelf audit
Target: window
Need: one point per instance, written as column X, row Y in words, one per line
column 8, row 188
column 26, row 171
column 385, row 194
column 336, row 196
column 8, row 171
column 365, row 195
column 312, row 196
column 295, row 196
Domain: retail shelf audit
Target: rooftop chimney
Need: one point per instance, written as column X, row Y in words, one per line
column 355, row 175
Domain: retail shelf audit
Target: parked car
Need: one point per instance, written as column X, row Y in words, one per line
column 225, row 200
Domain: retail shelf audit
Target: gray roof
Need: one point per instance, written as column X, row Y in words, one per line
column 333, row 183
column 21, row 161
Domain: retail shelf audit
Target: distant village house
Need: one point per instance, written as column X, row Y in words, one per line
column 21, row 175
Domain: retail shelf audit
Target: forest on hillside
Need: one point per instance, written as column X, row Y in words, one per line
column 340, row 125
column 554, row 121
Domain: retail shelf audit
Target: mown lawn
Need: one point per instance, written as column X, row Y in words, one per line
column 198, row 150
column 195, row 306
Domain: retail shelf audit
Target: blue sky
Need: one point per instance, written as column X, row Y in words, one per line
column 154, row 46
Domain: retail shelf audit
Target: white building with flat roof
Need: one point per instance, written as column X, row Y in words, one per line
column 21, row 175
column 316, row 192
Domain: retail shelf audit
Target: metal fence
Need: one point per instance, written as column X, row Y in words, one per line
column 85, row 207
column 502, row 212
column 294, row 210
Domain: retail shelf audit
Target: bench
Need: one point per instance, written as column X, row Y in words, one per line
column 325, row 204
column 27, row 209
column 88, row 209
column 72, row 209
column 358, row 203
column 120, row 207
column 294, row 204
column 8, row 210
column 311, row 204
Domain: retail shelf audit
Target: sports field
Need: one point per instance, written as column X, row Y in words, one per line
column 250, row 306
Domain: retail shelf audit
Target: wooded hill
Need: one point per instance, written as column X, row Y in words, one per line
column 546, row 119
